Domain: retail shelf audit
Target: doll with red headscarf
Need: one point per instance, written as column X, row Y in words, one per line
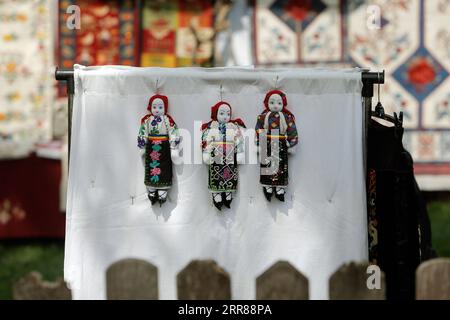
column 276, row 136
column 222, row 146
column 158, row 139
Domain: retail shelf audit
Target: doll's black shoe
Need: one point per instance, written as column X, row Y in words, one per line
column 217, row 201
column 218, row 205
column 267, row 194
column 279, row 194
column 227, row 198
column 153, row 197
column 162, row 197
column 280, row 197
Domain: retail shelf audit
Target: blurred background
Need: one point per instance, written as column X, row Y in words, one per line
column 409, row 39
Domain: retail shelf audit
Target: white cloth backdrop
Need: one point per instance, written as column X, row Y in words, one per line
column 321, row 225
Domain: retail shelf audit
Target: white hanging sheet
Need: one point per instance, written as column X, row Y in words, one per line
column 321, row 225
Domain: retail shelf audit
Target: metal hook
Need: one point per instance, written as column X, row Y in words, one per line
column 276, row 83
column 378, row 86
column 157, row 87
column 221, row 93
column 379, row 107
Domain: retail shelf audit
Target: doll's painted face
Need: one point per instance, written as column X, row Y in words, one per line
column 223, row 114
column 158, row 107
column 275, row 103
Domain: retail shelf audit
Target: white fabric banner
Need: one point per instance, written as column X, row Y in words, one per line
column 322, row 224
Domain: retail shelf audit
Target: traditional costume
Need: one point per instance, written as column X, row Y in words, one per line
column 276, row 127
column 222, row 145
column 159, row 139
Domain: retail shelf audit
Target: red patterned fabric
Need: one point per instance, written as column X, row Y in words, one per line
column 108, row 34
column 29, row 199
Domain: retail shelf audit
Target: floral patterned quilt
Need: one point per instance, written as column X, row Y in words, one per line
column 26, row 75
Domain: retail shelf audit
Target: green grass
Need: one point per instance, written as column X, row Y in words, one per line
column 439, row 212
column 18, row 258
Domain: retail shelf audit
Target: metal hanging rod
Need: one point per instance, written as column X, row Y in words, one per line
column 368, row 79
column 66, row 75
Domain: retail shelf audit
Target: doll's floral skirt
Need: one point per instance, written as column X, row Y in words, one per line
column 158, row 162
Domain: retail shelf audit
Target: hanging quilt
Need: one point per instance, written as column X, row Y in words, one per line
column 412, row 43
column 171, row 30
column 26, row 80
column 297, row 31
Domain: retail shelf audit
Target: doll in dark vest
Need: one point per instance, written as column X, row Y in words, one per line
column 276, row 136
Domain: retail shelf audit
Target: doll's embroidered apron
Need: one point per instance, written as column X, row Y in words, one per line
column 158, row 162
column 223, row 171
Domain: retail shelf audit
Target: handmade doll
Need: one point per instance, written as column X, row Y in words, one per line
column 276, row 128
column 222, row 146
column 158, row 139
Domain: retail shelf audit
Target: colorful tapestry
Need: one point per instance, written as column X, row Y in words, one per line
column 176, row 33
column 26, row 79
column 412, row 44
column 106, row 35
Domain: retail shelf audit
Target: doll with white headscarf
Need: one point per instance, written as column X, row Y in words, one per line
column 158, row 139
column 276, row 136
column 222, row 146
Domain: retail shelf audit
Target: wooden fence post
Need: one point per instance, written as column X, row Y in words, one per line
column 350, row 282
column 203, row 280
column 32, row 287
column 433, row 280
column 132, row 279
column 282, row 282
